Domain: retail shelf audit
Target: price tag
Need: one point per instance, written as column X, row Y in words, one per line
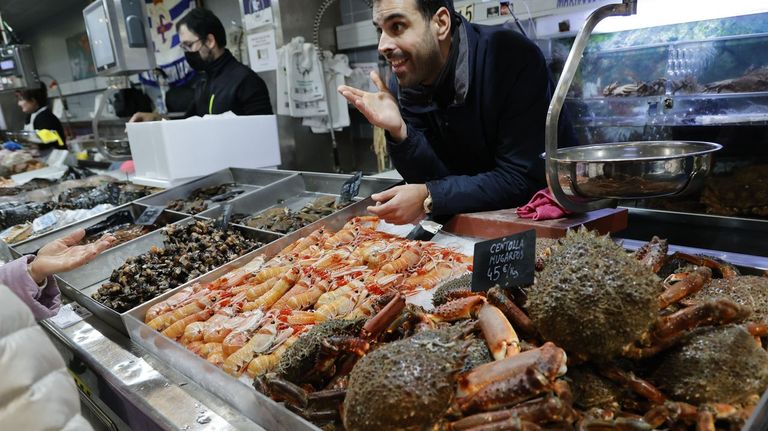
column 508, row 261
column 150, row 215
column 70, row 314
column 351, row 187
column 226, row 214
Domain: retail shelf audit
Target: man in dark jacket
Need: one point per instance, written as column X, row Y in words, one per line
column 465, row 120
column 226, row 84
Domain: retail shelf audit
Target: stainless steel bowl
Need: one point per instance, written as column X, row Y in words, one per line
column 633, row 170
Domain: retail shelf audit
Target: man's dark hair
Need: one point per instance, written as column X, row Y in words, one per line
column 38, row 94
column 203, row 22
column 429, row 7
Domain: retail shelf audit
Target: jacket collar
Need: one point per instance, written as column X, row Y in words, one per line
column 221, row 63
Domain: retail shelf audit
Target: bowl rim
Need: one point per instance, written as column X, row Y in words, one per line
column 706, row 148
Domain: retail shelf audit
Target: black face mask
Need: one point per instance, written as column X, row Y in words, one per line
column 195, row 60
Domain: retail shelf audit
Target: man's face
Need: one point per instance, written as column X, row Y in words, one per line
column 190, row 42
column 408, row 41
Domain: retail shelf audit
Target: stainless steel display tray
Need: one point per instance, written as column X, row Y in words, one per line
column 81, row 283
column 33, row 244
column 237, row 393
column 248, row 179
column 296, row 191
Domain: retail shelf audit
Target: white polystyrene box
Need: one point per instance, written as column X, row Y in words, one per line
column 167, row 153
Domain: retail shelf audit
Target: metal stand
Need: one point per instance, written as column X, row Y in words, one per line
column 628, row 7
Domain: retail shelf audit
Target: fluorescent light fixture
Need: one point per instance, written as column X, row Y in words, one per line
column 653, row 13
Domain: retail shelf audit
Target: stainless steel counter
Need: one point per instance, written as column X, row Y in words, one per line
column 133, row 388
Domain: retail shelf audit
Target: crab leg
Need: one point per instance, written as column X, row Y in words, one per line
column 688, row 285
column 503, row 393
column 371, row 330
column 498, row 333
column 653, row 254
column 727, row 270
column 548, row 359
column 511, row 424
column 458, row 309
column 540, row 410
column 636, row 384
column 497, row 297
column 718, row 312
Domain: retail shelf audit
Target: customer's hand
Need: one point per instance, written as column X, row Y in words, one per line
column 381, row 108
column 140, row 117
column 401, row 204
column 63, row 255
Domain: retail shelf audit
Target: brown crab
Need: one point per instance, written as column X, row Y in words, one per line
column 752, row 80
column 622, row 296
column 415, row 384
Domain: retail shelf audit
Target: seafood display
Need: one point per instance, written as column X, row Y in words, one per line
column 247, row 319
column 189, row 251
column 120, row 225
column 201, row 198
column 69, row 198
column 662, row 354
column 13, row 213
column 114, row 193
column 283, row 220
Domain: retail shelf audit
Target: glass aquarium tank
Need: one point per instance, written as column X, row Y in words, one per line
column 705, row 81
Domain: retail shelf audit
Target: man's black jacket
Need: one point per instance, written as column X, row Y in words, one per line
column 228, row 85
column 480, row 149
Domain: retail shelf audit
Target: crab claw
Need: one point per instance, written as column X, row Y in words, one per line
column 458, row 309
column 501, row 338
column 549, row 359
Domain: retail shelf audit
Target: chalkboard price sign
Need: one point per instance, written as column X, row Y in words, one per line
column 507, row 261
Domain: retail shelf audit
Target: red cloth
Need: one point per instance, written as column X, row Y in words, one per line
column 542, row 207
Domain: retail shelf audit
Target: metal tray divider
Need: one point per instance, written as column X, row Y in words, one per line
column 224, row 176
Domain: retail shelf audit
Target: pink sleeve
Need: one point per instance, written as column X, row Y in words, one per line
column 44, row 303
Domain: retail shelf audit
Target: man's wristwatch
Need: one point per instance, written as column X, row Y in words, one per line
column 428, row 203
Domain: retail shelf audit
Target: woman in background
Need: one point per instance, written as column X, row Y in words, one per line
column 34, row 103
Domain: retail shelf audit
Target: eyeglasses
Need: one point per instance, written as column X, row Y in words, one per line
column 187, row 46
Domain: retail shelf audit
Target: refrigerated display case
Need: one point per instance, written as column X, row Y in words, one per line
column 696, row 81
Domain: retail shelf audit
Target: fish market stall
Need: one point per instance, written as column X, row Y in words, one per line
column 118, row 379
column 208, row 350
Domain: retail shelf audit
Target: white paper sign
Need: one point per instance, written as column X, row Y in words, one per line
column 70, row 314
column 256, row 13
column 262, row 51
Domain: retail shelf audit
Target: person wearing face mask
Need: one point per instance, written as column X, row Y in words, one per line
column 464, row 118
column 226, row 84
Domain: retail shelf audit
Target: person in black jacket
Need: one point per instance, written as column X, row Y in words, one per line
column 465, row 117
column 226, row 84
column 34, row 103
